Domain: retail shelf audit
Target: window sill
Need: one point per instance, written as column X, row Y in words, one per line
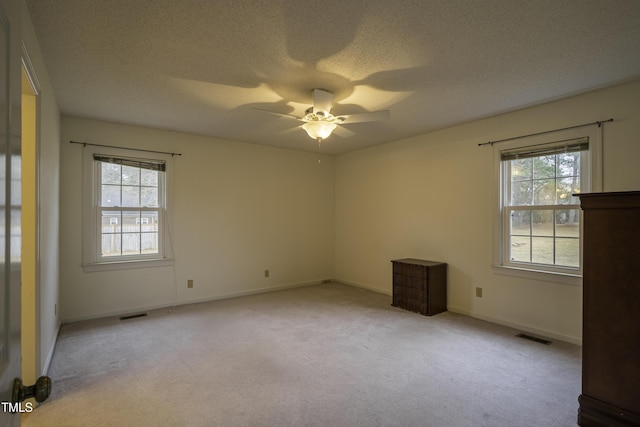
column 546, row 276
column 125, row 265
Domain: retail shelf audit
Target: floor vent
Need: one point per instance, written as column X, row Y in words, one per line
column 532, row 338
column 133, row 316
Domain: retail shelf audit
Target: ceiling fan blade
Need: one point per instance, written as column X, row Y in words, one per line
column 343, row 132
column 322, row 101
column 365, row 117
column 289, row 116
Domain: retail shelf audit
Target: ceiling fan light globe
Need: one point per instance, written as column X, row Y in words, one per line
column 319, row 129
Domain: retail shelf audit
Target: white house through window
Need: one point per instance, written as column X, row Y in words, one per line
column 130, row 191
column 126, row 209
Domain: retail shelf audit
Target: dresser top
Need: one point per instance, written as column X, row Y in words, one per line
column 612, row 200
column 418, row 262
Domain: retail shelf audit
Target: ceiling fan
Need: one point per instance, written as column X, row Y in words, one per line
column 320, row 123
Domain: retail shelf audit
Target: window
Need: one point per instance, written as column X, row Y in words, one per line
column 126, row 209
column 539, row 219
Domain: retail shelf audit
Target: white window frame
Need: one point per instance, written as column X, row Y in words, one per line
column 92, row 259
column 590, row 180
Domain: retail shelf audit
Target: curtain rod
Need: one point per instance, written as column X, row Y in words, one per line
column 599, row 123
column 125, row 148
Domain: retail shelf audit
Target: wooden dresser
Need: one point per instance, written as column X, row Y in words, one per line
column 420, row 286
column 611, row 310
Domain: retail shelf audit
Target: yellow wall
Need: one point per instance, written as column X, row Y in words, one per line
column 30, row 363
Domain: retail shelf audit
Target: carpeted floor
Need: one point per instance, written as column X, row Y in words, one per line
column 325, row 355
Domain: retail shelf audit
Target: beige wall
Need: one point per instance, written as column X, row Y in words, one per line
column 239, row 209
column 431, row 197
column 242, row 208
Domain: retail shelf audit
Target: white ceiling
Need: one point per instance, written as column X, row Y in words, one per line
column 204, row 67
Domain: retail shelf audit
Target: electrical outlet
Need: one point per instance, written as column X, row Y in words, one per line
column 190, row 283
column 266, row 273
column 479, row 292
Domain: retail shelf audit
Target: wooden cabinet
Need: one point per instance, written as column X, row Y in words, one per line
column 611, row 310
column 420, row 286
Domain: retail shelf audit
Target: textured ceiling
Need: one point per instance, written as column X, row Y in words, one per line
column 204, row 67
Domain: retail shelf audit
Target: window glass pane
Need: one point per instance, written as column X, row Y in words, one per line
column 568, row 252
column 130, row 196
column 16, row 180
column 544, row 167
column 149, row 197
column 111, row 222
column 131, row 221
column 544, row 192
column 16, row 235
column 149, row 242
column 149, row 222
column 130, row 175
column 111, row 173
column 542, row 222
column 521, row 169
column 111, row 244
column 521, row 223
column 130, row 243
column 542, row 250
column 568, row 164
column 566, row 188
column 520, row 249
column 521, row 185
column 110, row 195
column 568, row 223
column 149, row 177
column 521, row 193
column 520, row 232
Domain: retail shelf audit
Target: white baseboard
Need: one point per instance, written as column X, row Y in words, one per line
column 133, row 310
column 257, row 291
column 522, row 327
column 363, row 286
column 52, row 347
column 515, row 325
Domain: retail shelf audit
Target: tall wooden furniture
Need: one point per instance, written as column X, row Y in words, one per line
column 611, row 310
column 420, row 286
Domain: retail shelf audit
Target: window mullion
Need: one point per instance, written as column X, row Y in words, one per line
column 555, row 240
column 121, row 234
column 530, row 234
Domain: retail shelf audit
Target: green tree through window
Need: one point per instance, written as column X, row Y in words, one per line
column 541, row 212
